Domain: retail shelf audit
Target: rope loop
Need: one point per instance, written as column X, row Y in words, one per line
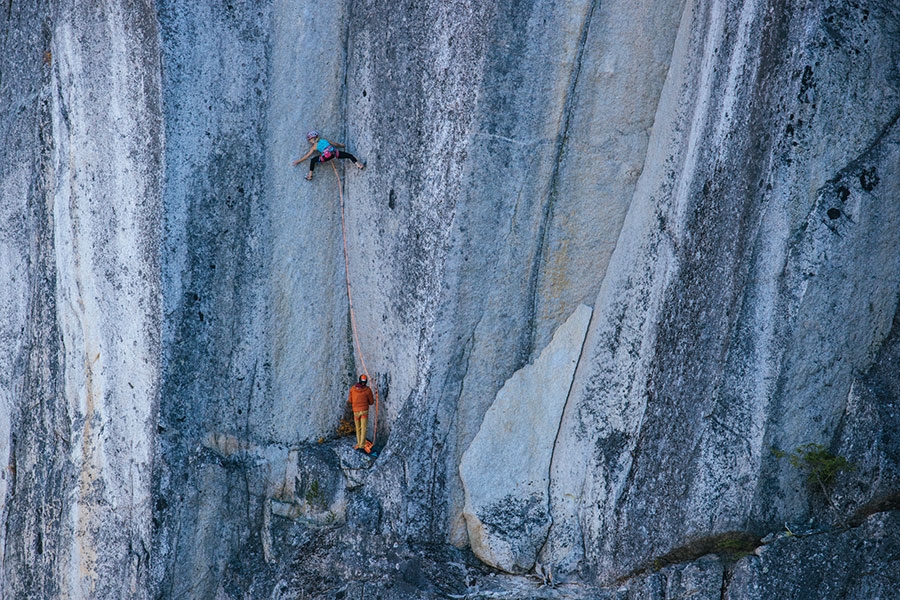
column 359, row 353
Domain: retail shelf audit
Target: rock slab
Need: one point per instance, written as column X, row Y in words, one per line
column 505, row 471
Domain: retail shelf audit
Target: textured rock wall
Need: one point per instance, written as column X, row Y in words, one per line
column 85, row 379
column 307, row 299
column 215, row 275
column 508, row 514
column 716, row 182
column 34, row 504
column 859, row 563
column 108, row 131
column 504, row 212
column 740, row 314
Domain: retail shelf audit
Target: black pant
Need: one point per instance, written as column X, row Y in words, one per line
column 337, row 154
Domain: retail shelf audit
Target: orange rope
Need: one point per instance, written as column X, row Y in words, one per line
column 359, row 353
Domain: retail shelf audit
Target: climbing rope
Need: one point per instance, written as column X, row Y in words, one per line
column 359, row 353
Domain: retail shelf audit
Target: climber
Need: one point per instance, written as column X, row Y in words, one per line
column 326, row 151
column 360, row 399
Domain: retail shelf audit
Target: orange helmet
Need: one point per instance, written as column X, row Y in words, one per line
column 363, row 379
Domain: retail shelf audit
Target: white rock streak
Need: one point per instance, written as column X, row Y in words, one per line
column 106, row 125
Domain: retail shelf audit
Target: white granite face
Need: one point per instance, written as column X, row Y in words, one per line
column 506, row 469
column 604, row 257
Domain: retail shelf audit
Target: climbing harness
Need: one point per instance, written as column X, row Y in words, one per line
column 362, row 361
column 327, row 153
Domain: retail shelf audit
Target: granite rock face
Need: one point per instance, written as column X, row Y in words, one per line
column 507, row 514
column 731, row 325
column 858, row 563
column 697, row 202
column 83, row 193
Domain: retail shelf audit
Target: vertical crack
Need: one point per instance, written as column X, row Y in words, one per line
column 727, row 572
column 559, row 429
column 561, row 140
column 345, row 71
column 572, row 383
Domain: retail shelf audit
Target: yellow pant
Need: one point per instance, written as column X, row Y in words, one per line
column 361, row 419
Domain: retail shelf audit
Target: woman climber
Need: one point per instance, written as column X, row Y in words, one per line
column 326, row 151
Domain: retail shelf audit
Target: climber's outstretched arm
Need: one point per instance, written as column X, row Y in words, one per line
column 304, row 157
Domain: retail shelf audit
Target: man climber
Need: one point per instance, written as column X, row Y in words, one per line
column 360, row 399
column 326, row 151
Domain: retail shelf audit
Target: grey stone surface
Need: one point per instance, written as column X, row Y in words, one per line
column 860, row 563
column 216, row 361
column 89, row 354
column 507, row 514
column 701, row 579
column 305, row 296
column 717, row 181
column 730, row 317
column 34, row 462
column 856, row 563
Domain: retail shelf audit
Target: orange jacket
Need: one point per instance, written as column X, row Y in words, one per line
column 360, row 397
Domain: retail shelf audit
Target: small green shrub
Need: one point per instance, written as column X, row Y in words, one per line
column 817, row 462
column 820, row 466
